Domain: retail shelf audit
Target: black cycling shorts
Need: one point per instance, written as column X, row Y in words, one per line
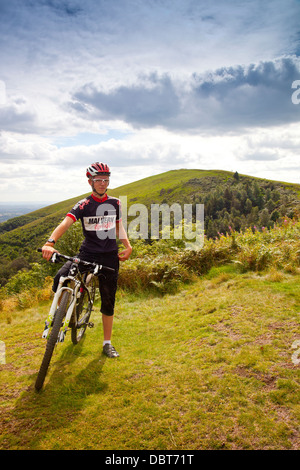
column 107, row 280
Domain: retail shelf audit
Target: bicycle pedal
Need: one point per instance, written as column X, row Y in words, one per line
column 91, row 324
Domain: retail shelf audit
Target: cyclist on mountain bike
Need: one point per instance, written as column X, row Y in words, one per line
column 101, row 220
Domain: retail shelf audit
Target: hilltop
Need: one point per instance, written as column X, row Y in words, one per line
column 230, row 200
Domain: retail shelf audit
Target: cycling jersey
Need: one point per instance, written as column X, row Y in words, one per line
column 98, row 217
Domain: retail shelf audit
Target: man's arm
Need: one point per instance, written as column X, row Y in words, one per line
column 122, row 236
column 48, row 248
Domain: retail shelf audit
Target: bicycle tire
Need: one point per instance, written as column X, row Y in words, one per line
column 52, row 340
column 83, row 312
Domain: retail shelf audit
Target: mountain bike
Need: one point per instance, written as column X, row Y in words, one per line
column 71, row 307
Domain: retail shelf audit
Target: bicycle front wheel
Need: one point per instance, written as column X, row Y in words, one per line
column 52, row 340
column 84, row 309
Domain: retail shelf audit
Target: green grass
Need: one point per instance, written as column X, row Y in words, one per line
column 209, row 367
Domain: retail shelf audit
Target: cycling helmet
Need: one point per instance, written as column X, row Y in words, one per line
column 97, row 169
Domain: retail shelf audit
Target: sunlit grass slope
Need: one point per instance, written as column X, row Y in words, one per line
column 210, row 367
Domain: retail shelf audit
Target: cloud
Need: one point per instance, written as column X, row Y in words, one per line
column 74, row 42
column 63, row 7
column 22, row 153
column 17, row 115
column 261, row 156
column 229, row 97
column 143, row 105
column 41, row 170
column 252, row 96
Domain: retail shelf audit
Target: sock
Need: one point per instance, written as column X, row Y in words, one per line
column 107, row 341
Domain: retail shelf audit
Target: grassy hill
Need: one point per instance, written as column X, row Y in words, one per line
column 224, row 196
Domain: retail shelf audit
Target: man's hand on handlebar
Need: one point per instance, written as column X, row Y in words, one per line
column 48, row 252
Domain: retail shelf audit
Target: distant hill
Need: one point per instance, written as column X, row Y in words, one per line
column 229, row 199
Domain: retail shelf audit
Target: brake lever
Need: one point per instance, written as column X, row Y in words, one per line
column 53, row 258
column 96, row 270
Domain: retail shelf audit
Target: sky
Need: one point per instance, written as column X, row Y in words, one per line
column 146, row 86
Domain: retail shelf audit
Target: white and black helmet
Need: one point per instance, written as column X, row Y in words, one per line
column 97, row 169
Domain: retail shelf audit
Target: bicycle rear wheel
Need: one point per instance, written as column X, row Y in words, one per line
column 52, row 340
column 84, row 309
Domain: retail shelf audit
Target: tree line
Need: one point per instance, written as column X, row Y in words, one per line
column 243, row 203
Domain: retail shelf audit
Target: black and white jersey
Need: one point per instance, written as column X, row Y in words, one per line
column 99, row 217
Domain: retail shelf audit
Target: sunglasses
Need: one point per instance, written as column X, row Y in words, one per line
column 100, row 180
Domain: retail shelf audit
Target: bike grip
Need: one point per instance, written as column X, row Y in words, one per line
column 40, row 250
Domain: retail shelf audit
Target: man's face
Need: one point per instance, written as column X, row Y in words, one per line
column 99, row 183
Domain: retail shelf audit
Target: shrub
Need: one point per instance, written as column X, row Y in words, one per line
column 25, row 280
column 160, row 274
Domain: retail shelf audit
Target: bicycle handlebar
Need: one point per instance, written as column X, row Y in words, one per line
column 76, row 260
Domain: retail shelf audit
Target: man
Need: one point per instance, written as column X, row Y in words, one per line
column 101, row 220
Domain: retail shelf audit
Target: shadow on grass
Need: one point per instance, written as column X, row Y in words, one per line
column 63, row 376
column 58, row 403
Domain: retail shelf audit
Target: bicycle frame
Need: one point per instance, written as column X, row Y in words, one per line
column 75, row 293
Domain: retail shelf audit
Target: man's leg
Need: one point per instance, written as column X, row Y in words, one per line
column 107, row 322
column 108, row 288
